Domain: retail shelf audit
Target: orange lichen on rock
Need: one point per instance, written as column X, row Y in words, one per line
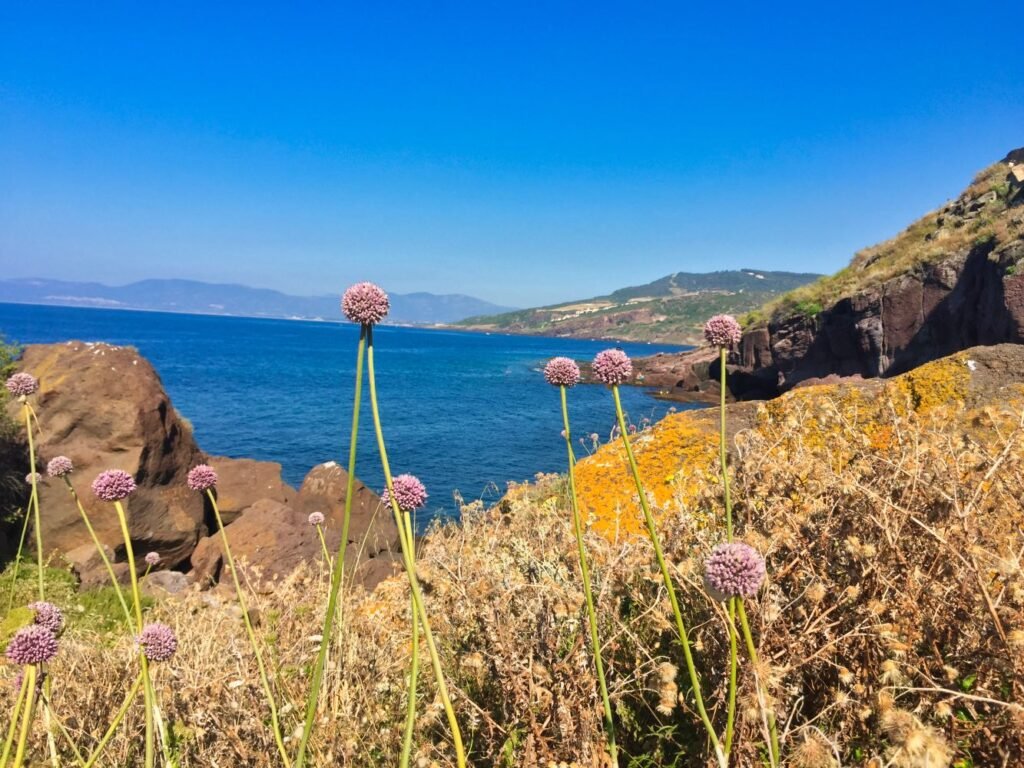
column 678, row 458
column 675, row 458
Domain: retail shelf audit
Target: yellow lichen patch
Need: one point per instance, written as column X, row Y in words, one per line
column 942, row 382
column 674, row 457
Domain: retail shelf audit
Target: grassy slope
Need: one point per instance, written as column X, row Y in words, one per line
column 931, row 238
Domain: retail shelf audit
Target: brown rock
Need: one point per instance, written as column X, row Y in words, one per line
column 243, row 482
column 105, row 408
column 372, row 528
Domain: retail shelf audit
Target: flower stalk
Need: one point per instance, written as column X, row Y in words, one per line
column 249, row 631
column 338, row 569
column 666, row 576
column 405, row 538
column 577, row 524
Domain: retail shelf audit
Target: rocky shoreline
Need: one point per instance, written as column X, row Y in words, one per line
column 104, row 407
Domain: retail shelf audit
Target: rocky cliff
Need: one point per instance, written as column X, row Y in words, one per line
column 951, row 280
column 104, row 407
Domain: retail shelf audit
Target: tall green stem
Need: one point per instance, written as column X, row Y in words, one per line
column 27, row 714
column 34, row 502
column 17, row 560
column 143, row 661
column 337, row 574
column 267, row 690
column 323, row 547
column 12, row 729
column 116, row 722
column 595, row 642
column 410, row 567
column 768, row 711
column 103, row 555
column 414, row 666
column 723, row 461
column 666, row 576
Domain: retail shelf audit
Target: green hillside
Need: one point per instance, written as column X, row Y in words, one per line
column 670, row 309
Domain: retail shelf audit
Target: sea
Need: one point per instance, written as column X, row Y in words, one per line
column 465, row 412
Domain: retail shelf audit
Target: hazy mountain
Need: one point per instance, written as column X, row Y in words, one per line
column 190, row 296
column 670, row 309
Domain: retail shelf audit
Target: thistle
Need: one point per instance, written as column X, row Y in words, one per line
column 114, row 486
column 734, row 570
column 613, row 367
column 62, row 467
column 410, row 495
column 563, row 373
column 22, row 386
column 365, row 304
column 202, row 478
column 371, row 301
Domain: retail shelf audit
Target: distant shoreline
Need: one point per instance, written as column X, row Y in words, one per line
column 342, row 322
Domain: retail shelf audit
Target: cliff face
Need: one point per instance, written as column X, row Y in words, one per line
column 952, row 280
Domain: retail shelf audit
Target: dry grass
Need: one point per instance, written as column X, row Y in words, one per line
column 892, row 626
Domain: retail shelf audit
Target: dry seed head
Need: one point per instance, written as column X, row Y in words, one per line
column 813, row 752
column 1016, row 638
column 845, row 676
column 816, row 592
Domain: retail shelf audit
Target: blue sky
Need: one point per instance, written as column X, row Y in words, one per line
column 521, row 152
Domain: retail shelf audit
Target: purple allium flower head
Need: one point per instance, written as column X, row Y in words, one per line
column 113, row 485
column 152, row 559
column 48, row 615
column 723, row 331
column 316, row 518
column 34, row 644
column 734, row 570
column 33, row 477
column 612, row 366
column 409, row 493
column 59, row 466
column 365, row 303
column 562, row 372
column 158, row 641
column 22, row 384
column 202, row 477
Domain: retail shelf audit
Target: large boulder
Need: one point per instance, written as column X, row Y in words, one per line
column 243, row 482
column 372, row 529
column 270, row 539
column 105, row 408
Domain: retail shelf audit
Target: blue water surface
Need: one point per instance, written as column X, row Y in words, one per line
column 466, row 412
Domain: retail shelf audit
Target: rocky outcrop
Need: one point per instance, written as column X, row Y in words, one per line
column 272, row 538
column 963, row 286
column 243, row 482
column 105, row 408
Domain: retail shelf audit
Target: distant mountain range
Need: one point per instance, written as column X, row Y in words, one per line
column 192, row 297
column 670, row 309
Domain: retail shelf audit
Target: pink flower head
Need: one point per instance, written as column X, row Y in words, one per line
column 562, row 372
column 48, row 615
column 734, row 570
column 202, row 477
column 612, row 367
column 365, row 303
column 316, row 518
column 34, row 644
column 409, row 493
column 723, row 331
column 33, row 478
column 22, row 384
column 158, row 641
column 59, row 466
column 152, row 559
column 113, row 485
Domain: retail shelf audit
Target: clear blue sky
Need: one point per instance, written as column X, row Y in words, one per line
column 520, row 152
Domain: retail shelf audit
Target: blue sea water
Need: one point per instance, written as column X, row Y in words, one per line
column 466, row 412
